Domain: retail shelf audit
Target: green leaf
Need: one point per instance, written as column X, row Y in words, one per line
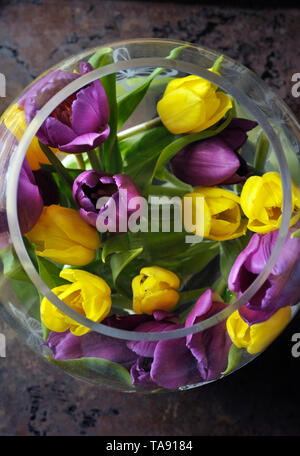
column 195, row 263
column 98, row 370
column 159, row 245
column 28, row 296
column 229, row 251
column 234, row 358
column 19, row 280
column 114, row 244
column 172, row 149
column 12, row 267
column 120, row 260
column 128, row 103
column 49, row 272
column 140, row 151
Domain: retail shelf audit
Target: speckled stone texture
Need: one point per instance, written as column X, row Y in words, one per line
column 35, row 398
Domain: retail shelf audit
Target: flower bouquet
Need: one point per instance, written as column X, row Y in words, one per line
column 147, row 232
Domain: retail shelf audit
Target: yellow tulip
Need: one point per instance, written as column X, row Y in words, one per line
column 192, row 104
column 261, row 201
column 63, row 236
column 88, row 294
column 14, row 120
column 155, row 289
column 258, row 336
column 221, row 216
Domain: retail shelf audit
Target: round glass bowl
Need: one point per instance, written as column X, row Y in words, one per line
column 167, row 348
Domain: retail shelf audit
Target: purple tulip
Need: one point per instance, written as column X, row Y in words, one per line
column 164, row 363
column 30, row 205
column 199, row 357
column 91, row 345
column 169, row 363
column 140, row 374
column 91, row 185
column 211, row 346
column 282, row 286
column 79, row 123
column 215, row 160
column 67, row 346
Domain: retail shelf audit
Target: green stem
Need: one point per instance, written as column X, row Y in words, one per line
column 94, row 160
column 100, row 152
column 57, row 164
column 177, row 182
column 261, row 153
column 80, row 161
column 219, row 286
column 139, row 128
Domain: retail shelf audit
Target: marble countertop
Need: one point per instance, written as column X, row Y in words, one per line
column 263, row 397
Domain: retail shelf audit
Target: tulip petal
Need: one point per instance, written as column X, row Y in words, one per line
column 91, row 345
column 234, row 135
column 140, row 375
column 211, row 346
column 147, row 348
column 225, row 105
column 181, row 111
column 258, row 336
column 173, row 364
column 40, row 92
column 54, row 133
column 90, row 110
column 281, row 288
column 85, row 142
column 30, row 203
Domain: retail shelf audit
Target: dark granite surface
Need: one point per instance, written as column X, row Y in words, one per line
column 262, row 398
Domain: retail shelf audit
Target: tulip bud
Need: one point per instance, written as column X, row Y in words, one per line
column 62, row 236
column 88, row 294
column 215, row 160
column 221, row 216
column 192, row 104
column 155, row 289
column 262, row 199
column 257, row 337
column 89, row 186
